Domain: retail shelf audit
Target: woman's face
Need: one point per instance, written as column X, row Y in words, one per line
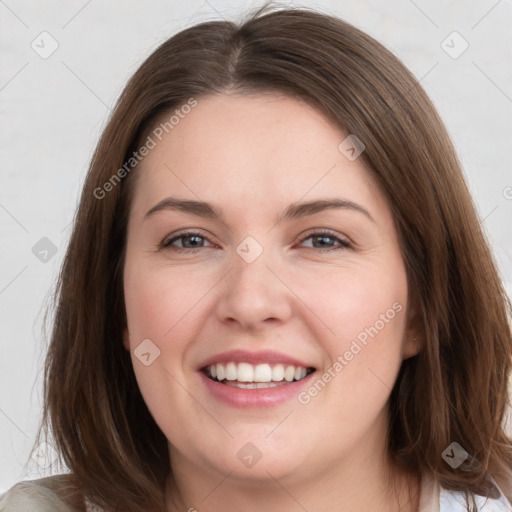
column 260, row 251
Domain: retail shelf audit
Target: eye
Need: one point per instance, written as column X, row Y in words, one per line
column 326, row 241
column 190, row 242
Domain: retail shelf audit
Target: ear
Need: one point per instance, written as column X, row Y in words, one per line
column 411, row 347
column 414, row 337
column 126, row 340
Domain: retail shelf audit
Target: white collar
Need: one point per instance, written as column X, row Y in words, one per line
column 435, row 498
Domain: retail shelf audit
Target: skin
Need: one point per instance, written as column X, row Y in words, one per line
column 252, row 156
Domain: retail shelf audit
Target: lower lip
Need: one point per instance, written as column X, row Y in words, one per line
column 262, row 397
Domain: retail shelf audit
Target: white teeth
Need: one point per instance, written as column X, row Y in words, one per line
column 231, row 371
column 278, row 372
column 221, row 373
column 256, row 376
column 252, row 385
column 262, row 373
column 289, row 373
column 245, row 372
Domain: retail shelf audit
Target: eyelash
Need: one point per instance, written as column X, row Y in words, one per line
column 166, row 244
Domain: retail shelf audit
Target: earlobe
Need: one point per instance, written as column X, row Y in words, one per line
column 412, row 347
column 126, row 340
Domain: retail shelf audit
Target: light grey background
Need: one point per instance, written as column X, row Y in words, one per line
column 53, row 110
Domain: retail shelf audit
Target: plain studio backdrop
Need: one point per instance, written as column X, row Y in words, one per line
column 65, row 63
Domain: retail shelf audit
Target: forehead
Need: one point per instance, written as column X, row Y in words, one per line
column 252, row 150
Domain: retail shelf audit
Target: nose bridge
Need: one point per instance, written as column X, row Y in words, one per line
column 252, row 293
column 251, row 272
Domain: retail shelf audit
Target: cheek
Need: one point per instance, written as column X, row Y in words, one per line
column 166, row 305
column 163, row 306
column 151, row 307
column 351, row 299
column 366, row 310
column 360, row 320
column 159, row 299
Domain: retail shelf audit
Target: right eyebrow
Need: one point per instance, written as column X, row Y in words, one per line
column 199, row 208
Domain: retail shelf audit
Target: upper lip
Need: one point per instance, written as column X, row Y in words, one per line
column 260, row 357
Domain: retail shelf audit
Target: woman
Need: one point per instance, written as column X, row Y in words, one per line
column 277, row 293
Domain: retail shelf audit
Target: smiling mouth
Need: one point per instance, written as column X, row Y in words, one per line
column 260, row 376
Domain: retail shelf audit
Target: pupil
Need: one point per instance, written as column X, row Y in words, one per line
column 188, row 239
column 322, row 238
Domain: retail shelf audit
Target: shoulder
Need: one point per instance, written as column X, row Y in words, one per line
column 454, row 501
column 435, row 498
column 51, row 494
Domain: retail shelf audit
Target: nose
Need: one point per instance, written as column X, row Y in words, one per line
column 253, row 295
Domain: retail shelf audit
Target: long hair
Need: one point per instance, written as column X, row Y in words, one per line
column 453, row 390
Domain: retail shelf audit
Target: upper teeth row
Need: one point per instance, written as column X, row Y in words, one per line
column 246, row 372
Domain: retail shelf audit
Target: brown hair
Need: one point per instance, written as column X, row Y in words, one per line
column 455, row 389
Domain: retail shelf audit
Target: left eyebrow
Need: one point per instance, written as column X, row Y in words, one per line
column 293, row 211
column 298, row 210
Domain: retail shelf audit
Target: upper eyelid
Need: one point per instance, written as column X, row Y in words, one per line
column 319, row 232
column 177, row 236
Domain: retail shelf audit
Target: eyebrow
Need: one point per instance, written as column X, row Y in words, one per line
column 296, row 210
